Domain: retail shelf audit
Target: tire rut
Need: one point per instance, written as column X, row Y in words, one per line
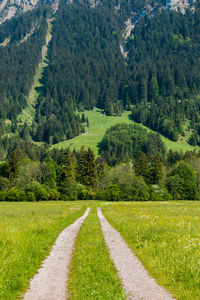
column 50, row 283
column 138, row 284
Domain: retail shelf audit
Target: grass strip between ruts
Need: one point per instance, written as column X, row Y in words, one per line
column 92, row 273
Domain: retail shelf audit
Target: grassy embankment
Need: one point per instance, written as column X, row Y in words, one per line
column 99, row 123
column 166, row 237
column 27, row 232
column 92, row 273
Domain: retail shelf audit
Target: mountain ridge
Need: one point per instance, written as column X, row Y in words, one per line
column 86, row 68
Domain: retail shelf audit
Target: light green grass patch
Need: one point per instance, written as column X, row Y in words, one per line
column 99, row 123
column 27, row 232
column 92, row 273
column 166, row 238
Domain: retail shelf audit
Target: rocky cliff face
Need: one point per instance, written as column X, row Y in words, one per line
column 10, row 8
column 181, row 4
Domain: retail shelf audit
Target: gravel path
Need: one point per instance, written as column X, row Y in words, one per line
column 51, row 281
column 138, row 284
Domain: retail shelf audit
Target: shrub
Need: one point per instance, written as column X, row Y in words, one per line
column 39, row 191
column 30, row 197
column 64, row 197
column 13, row 195
column 4, row 183
column 112, row 193
column 69, row 189
column 53, row 194
column 181, row 183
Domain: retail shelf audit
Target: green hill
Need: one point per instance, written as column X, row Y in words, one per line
column 99, row 123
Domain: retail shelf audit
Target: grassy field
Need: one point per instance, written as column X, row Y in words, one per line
column 27, row 232
column 99, row 123
column 166, row 237
column 92, row 273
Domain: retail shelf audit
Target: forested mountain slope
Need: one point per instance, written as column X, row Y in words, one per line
column 19, row 59
column 153, row 70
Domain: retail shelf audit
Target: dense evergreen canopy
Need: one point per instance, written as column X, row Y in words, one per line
column 159, row 79
column 19, row 59
column 122, row 143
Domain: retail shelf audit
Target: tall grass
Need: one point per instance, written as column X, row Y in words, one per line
column 166, row 237
column 27, row 232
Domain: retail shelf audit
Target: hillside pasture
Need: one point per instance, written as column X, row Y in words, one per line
column 99, row 123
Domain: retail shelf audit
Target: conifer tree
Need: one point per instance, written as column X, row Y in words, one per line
column 13, row 164
column 141, row 164
column 86, row 172
column 68, row 165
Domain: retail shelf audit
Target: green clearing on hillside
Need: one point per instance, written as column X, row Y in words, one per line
column 165, row 237
column 99, row 123
column 27, row 232
column 92, row 273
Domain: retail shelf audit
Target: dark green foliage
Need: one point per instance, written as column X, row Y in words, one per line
column 68, row 189
column 49, row 173
column 155, row 171
column 181, row 183
column 4, row 183
column 156, row 195
column 67, row 169
column 155, row 145
column 164, row 48
column 86, row 172
column 19, row 60
column 66, row 175
column 121, row 184
column 85, row 69
column 13, row 195
column 122, row 142
column 111, row 193
column 173, row 157
column 13, row 164
column 30, row 197
column 141, row 165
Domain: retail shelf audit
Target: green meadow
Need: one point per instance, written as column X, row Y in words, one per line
column 166, row 238
column 99, row 123
column 27, row 233
column 164, row 235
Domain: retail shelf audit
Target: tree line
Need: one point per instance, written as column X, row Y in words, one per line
column 145, row 171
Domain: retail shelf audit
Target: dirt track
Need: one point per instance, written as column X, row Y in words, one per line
column 138, row 284
column 51, row 281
